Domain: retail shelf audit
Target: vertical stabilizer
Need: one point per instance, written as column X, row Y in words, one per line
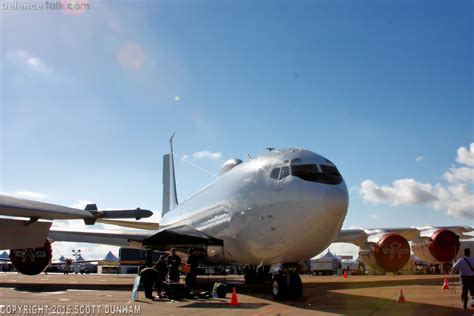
column 170, row 198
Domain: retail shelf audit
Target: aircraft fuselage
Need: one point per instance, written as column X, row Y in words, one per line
column 266, row 216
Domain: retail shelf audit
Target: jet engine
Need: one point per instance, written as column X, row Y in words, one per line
column 389, row 254
column 31, row 261
column 441, row 247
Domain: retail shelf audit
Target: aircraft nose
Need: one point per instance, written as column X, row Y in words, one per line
column 336, row 201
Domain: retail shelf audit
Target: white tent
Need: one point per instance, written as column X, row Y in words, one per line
column 4, row 256
column 110, row 257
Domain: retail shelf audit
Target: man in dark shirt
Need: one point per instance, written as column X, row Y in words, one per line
column 162, row 269
column 173, row 262
column 191, row 275
column 149, row 276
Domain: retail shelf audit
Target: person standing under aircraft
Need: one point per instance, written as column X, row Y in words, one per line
column 173, row 261
column 191, row 275
column 465, row 266
column 149, row 277
column 162, row 269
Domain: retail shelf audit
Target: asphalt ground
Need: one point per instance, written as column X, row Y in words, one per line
column 56, row 294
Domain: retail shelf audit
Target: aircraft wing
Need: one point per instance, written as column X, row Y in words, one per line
column 33, row 232
column 11, row 206
column 361, row 236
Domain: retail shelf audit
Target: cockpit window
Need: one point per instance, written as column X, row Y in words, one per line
column 330, row 170
column 285, row 172
column 274, row 174
column 329, row 174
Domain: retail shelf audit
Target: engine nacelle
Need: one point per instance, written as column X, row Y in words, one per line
column 390, row 253
column 441, row 247
column 31, row 261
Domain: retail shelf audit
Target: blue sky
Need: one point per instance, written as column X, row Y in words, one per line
column 89, row 101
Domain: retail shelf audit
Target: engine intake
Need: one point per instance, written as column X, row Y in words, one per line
column 31, row 261
column 443, row 245
column 392, row 252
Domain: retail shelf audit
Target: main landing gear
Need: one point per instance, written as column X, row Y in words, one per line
column 287, row 286
column 285, row 280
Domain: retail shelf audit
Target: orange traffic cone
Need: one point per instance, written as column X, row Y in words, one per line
column 345, row 274
column 234, row 301
column 445, row 284
column 401, row 297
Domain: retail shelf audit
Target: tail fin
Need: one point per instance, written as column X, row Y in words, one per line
column 170, row 198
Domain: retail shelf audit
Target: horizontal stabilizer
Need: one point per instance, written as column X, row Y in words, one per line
column 109, row 237
column 130, row 224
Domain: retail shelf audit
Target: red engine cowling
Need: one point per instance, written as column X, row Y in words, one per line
column 31, row 261
column 443, row 245
column 392, row 252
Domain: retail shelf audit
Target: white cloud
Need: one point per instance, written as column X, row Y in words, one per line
column 374, row 216
column 28, row 60
column 419, row 158
column 185, row 157
column 27, row 195
column 403, row 191
column 461, row 174
column 456, row 197
column 207, row 154
column 465, row 156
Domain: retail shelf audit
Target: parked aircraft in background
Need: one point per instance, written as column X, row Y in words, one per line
column 272, row 212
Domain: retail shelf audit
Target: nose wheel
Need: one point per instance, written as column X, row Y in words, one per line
column 287, row 286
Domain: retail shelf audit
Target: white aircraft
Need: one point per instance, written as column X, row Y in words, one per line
column 271, row 212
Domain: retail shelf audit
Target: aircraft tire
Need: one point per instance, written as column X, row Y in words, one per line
column 279, row 287
column 295, row 287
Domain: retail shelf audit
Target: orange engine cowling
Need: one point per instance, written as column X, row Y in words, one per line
column 443, row 245
column 392, row 252
column 31, row 261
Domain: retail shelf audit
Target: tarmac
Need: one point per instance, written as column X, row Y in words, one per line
column 58, row 294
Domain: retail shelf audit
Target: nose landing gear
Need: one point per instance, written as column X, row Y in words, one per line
column 285, row 283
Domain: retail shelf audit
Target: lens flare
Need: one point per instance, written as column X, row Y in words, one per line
column 130, row 56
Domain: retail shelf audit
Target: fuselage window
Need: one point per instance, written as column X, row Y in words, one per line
column 285, row 172
column 274, row 174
